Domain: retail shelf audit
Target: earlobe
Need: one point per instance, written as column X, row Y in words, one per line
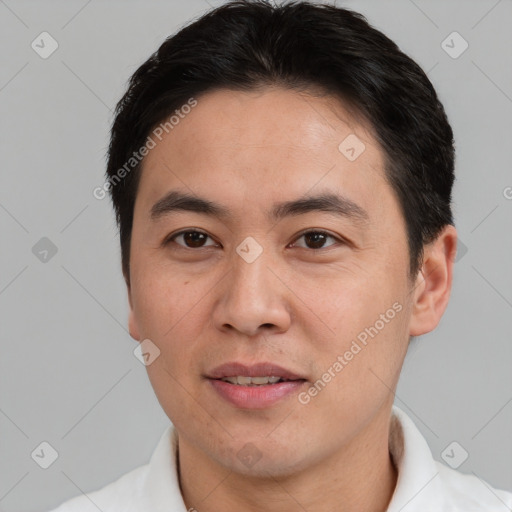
column 433, row 284
column 132, row 327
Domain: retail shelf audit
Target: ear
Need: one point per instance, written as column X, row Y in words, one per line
column 132, row 322
column 433, row 283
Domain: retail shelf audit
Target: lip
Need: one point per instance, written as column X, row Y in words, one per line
column 254, row 397
column 264, row 369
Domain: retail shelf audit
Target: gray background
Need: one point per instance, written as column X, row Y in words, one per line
column 67, row 369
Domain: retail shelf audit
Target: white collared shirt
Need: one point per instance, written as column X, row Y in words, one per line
column 423, row 485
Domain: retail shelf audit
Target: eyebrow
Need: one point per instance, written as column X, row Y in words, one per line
column 324, row 202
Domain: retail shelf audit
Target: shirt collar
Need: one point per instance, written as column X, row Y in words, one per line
column 418, row 485
column 162, row 489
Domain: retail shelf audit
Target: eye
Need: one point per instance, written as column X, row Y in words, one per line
column 195, row 239
column 317, row 239
column 192, row 239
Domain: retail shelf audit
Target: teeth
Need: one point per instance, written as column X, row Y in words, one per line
column 263, row 380
column 242, row 380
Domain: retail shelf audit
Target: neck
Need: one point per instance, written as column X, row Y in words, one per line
column 358, row 477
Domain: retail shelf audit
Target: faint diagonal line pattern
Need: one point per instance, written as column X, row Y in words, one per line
column 192, row 397
column 486, row 20
column 491, row 285
column 216, row 487
column 14, row 76
column 421, row 490
column 283, row 420
column 13, row 13
column 5, row 495
column 191, row 309
column 14, row 218
column 492, row 81
column 301, row 300
column 486, row 14
column 395, row 395
column 76, row 14
column 491, row 491
column 307, row 192
column 14, row 423
column 96, row 403
column 86, row 86
column 13, row 279
column 94, row 298
column 74, row 218
column 484, row 219
column 424, row 14
column 287, row 492
column 492, row 418
column 191, row 191
column 432, row 68
column 80, row 489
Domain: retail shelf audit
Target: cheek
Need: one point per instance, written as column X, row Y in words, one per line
column 173, row 311
column 161, row 299
column 349, row 300
column 168, row 310
column 364, row 347
column 357, row 375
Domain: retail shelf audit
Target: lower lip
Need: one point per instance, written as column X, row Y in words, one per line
column 255, row 397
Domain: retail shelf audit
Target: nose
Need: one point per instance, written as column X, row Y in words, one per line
column 252, row 298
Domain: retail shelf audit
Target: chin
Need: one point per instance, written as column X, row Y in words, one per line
column 262, row 458
column 268, row 468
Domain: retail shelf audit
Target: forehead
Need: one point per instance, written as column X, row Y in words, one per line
column 265, row 145
column 274, row 117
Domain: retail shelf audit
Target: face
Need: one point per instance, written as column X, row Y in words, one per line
column 315, row 292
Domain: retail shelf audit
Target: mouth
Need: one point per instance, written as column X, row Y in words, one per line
column 242, row 380
column 252, row 373
column 255, row 386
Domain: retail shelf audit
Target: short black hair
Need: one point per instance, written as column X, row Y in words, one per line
column 245, row 45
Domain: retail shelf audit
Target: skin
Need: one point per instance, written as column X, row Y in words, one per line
column 295, row 306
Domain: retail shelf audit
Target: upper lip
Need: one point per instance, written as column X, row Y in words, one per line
column 234, row 369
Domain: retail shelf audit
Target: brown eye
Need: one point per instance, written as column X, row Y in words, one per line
column 316, row 239
column 191, row 239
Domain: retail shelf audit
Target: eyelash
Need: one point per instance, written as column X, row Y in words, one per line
column 172, row 237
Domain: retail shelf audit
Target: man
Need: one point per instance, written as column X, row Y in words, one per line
column 282, row 181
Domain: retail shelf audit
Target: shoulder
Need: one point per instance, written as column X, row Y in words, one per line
column 123, row 495
column 470, row 493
